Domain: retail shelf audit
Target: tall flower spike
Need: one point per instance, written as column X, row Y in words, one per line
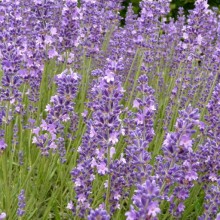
column 21, row 204
column 70, row 26
column 108, row 93
column 60, row 110
column 177, row 142
column 104, row 15
column 213, row 118
column 208, row 155
column 140, row 132
column 212, row 201
column 178, row 166
column 98, row 144
column 134, row 168
column 209, row 151
column 11, row 61
column 146, row 200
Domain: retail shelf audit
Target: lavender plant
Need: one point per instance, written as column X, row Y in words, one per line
column 103, row 121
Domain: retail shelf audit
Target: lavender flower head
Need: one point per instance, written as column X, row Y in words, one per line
column 212, row 202
column 214, row 115
column 181, row 140
column 209, row 151
column 50, row 134
column 177, row 168
column 103, row 132
column 146, row 200
column 98, row 214
column 208, row 155
column 21, row 203
column 141, row 132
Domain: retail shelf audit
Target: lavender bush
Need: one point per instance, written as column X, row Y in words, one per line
column 104, row 121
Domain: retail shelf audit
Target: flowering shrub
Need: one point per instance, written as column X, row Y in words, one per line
column 99, row 121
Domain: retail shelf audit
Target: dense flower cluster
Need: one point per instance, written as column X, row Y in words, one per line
column 98, row 214
column 104, row 129
column 140, row 132
column 177, row 168
column 60, row 111
column 146, row 199
column 208, row 154
column 131, row 112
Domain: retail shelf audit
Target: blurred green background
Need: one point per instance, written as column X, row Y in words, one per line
column 175, row 4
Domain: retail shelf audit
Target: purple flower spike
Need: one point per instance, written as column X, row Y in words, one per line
column 179, row 164
column 212, row 201
column 146, row 199
column 60, row 110
column 213, row 118
column 21, row 203
column 209, row 151
column 179, row 141
column 208, row 155
column 98, row 214
column 98, row 144
column 141, row 133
